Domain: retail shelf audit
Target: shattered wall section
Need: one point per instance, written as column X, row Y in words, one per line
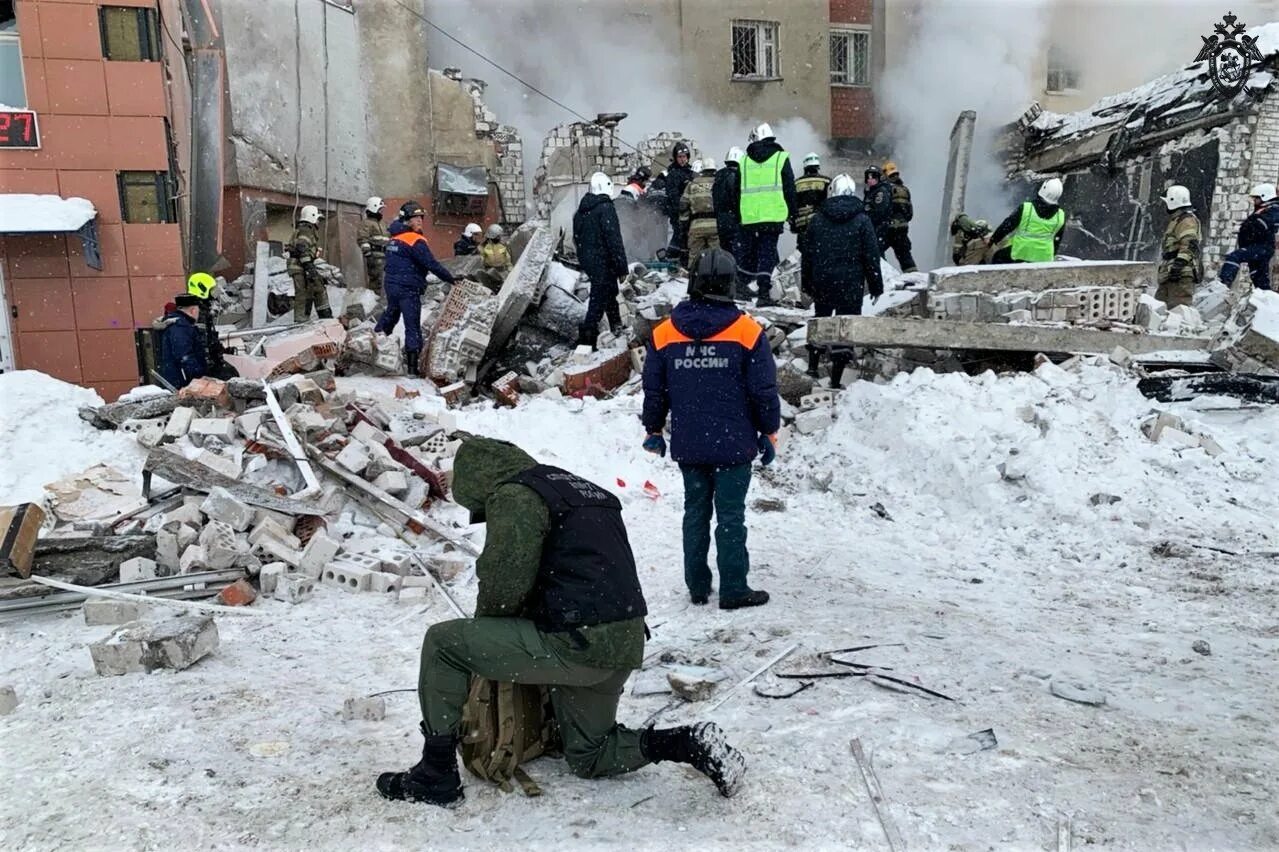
column 508, row 176
column 571, row 153
column 461, row 332
column 655, row 151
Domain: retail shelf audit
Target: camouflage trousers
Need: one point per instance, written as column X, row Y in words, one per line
column 702, row 235
column 514, row 650
column 373, row 266
column 309, row 291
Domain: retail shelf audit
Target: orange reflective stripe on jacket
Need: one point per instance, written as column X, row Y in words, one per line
column 409, row 238
column 744, row 331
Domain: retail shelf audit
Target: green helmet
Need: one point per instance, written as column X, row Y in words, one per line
column 201, row 284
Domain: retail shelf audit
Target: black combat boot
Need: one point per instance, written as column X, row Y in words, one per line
column 838, row 363
column 412, row 361
column 755, row 597
column 814, row 361
column 703, row 747
column 434, row 780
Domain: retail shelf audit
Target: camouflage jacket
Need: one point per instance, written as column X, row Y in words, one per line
column 697, row 202
column 903, row 210
column 1181, row 256
column 303, row 247
column 496, row 255
column 810, row 192
column 372, row 237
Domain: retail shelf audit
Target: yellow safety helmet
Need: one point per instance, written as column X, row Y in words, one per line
column 201, row 284
column 889, row 168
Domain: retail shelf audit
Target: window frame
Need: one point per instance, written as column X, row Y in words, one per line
column 148, row 24
column 1057, row 64
column 165, row 205
column 851, row 33
column 14, row 38
column 762, row 46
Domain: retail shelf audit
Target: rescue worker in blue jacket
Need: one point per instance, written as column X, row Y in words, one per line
column 1256, row 242
column 408, row 260
column 183, row 350
column 711, row 369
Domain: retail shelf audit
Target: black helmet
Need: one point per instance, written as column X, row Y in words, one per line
column 873, row 172
column 680, row 148
column 643, row 173
column 713, row 276
column 409, row 209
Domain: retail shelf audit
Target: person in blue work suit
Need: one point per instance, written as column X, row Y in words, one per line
column 1256, row 242
column 408, row 260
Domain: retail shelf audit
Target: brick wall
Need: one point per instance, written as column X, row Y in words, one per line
column 96, row 118
column 850, row 11
column 852, row 108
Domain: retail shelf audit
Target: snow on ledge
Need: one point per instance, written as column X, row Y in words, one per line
column 35, row 214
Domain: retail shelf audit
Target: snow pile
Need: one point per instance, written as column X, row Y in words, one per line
column 21, row 213
column 1266, row 319
column 45, row 439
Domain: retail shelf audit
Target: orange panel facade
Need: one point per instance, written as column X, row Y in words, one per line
column 98, row 118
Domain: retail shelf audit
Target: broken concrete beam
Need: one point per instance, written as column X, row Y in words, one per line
column 98, row 611
column 521, row 287
column 89, row 560
column 19, row 532
column 174, row 643
column 174, row 468
column 294, row 588
column 1035, row 277
column 225, row 465
column 888, row 333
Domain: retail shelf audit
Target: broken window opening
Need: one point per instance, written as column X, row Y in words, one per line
column 460, row 190
column 755, row 51
column 1063, row 73
column 129, row 34
column 850, row 57
column 145, row 198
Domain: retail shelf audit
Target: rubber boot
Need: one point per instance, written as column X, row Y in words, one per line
column 814, row 360
column 703, row 747
column 755, row 597
column 838, row 363
column 434, row 780
column 412, row 361
column 586, row 338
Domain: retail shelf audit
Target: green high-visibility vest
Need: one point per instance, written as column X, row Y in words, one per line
column 762, row 196
column 1033, row 239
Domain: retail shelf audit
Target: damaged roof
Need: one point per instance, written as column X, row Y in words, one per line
column 1164, row 103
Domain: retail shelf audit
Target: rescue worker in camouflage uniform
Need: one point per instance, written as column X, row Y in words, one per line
column 372, row 238
column 304, row 251
column 559, row 604
column 1180, row 264
column 897, row 233
column 679, row 174
column 697, row 211
column 810, row 192
column 497, row 258
column 878, row 200
column 968, row 245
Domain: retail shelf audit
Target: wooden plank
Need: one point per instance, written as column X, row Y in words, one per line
column 877, row 798
column 889, row 333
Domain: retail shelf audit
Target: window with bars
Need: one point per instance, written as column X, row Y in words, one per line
column 850, row 57
column 129, row 33
column 755, row 50
column 145, row 198
column 1063, row 73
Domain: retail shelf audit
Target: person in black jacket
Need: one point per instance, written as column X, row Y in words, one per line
column 182, row 355
column 679, row 174
column 879, row 204
column 601, row 254
column 724, row 194
column 839, row 261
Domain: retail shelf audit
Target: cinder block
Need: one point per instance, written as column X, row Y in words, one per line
column 363, row 561
column 354, row 457
column 99, row 611
column 187, row 536
column 185, row 514
column 222, row 428
column 179, row 422
column 269, row 576
column 393, row 482
column 250, row 421
column 277, row 551
column 813, row 420
column 174, row 643
column 136, row 569
column 294, row 588
column 221, row 505
column 392, row 560
column 368, row 433
column 167, row 552
column 319, row 551
column 819, row 398
column 194, row 559
column 269, row 527
column 349, row 577
column 381, row 582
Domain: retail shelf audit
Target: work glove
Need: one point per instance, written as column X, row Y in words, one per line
column 656, row 445
column 767, row 448
column 1178, row 265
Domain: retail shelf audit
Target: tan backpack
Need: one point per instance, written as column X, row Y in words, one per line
column 505, row 725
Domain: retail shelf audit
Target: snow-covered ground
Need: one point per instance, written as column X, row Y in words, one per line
column 994, row 587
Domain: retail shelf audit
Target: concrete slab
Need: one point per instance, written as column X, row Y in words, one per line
column 1035, row 277
column 174, row 643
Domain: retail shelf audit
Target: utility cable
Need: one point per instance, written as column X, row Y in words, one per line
column 517, row 78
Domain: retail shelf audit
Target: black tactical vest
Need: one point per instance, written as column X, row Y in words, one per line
column 588, row 575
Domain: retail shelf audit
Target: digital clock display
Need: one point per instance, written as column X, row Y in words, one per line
column 18, row 129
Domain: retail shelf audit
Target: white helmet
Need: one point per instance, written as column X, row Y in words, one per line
column 1177, row 197
column 494, row 232
column 1264, row 191
column 841, row 185
column 1051, row 190
column 471, row 230
column 708, row 164
column 734, row 155
column 697, row 166
column 811, row 159
column 763, row 131
column 601, row 184
column 309, row 213
column 374, row 204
